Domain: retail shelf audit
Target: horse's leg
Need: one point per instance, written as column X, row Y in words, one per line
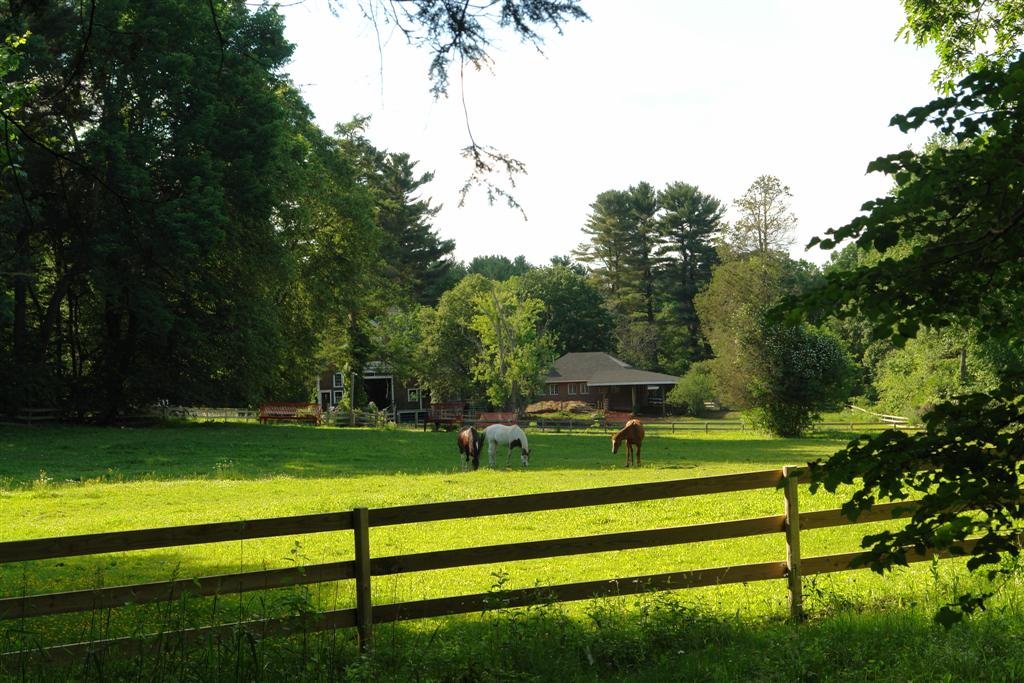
column 638, row 454
column 490, row 451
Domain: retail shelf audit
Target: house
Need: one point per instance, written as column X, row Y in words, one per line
column 607, row 382
column 404, row 402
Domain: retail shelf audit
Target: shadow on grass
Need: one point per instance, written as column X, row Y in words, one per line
column 73, row 454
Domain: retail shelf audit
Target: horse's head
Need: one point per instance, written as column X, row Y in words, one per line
column 615, row 443
column 524, row 456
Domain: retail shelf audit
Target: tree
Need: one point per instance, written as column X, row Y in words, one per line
column 514, row 352
column 499, row 268
column 935, row 366
column 607, row 251
column 333, row 240
column 569, row 262
column 800, row 371
column 450, row 345
column 783, row 374
column 623, row 236
column 962, row 31
column 688, row 225
column 574, row 315
column 765, row 224
column 960, row 210
column 142, row 218
column 414, row 257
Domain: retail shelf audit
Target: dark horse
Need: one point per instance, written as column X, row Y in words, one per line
column 469, row 446
column 633, row 434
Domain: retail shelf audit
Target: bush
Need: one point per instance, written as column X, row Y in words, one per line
column 695, row 388
column 803, row 371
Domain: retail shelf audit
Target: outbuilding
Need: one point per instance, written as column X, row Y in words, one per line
column 598, row 378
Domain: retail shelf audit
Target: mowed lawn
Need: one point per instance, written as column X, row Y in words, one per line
column 57, row 481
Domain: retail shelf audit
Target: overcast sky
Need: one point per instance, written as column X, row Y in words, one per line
column 709, row 93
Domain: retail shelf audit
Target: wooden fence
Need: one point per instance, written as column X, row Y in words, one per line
column 365, row 566
column 361, row 418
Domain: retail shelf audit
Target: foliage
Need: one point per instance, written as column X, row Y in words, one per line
column 449, row 343
column 574, row 315
column 694, row 389
column 173, row 223
column 649, row 253
column 731, row 311
column 415, row 260
column 329, row 231
column 800, row 372
column 959, row 211
column 689, row 223
column 766, row 223
column 514, row 353
column 968, row 35
column 499, row 268
column 935, row 366
column 784, row 373
column 622, row 234
column 143, row 223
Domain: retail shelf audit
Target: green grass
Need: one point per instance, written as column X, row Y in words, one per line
column 70, row 480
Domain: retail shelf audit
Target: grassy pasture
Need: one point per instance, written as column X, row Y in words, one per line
column 70, row 480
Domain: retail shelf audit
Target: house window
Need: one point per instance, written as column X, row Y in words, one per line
column 339, row 379
column 584, row 389
column 572, row 389
column 552, row 390
column 414, row 394
column 338, row 395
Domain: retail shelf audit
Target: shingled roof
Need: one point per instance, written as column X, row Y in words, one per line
column 599, row 369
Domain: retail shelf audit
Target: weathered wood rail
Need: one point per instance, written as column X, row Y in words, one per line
column 365, row 566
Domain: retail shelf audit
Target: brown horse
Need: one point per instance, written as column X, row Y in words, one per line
column 469, row 446
column 633, row 434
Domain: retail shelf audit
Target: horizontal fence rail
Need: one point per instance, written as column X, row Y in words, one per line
column 365, row 566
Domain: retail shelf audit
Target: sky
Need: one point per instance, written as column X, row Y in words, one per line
column 713, row 94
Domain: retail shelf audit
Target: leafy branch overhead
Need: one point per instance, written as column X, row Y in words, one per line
column 458, row 34
column 951, row 253
column 959, row 209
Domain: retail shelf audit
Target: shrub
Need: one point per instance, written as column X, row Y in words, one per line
column 695, row 388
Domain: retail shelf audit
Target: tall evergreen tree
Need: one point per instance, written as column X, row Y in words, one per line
column 414, row 257
column 689, row 224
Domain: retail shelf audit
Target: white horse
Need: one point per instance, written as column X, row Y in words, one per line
column 507, row 435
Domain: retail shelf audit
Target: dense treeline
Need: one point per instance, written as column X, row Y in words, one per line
column 173, row 225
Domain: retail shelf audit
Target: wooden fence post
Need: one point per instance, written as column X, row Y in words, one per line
column 364, row 605
column 796, row 597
